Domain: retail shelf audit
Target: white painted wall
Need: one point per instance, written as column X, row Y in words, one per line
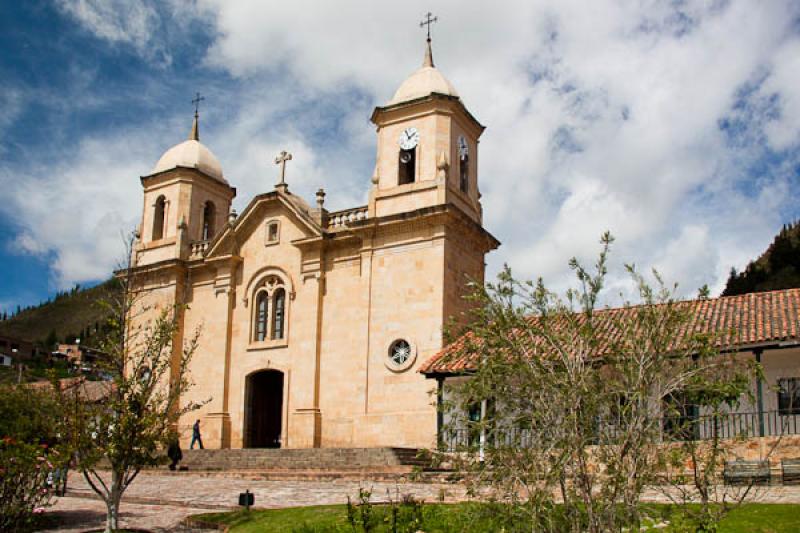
column 777, row 363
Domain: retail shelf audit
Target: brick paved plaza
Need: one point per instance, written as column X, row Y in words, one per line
column 158, row 501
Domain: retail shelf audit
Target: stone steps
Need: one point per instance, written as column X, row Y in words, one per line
column 285, row 461
column 296, row 474
column 397, row 474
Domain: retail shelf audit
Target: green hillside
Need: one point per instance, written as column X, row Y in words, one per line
column 70, row 314
column 777, row 268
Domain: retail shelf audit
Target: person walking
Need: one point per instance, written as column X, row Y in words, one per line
column 196, row 436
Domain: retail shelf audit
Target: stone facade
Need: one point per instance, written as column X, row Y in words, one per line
column 298, row 309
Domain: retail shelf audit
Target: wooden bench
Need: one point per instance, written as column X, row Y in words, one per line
column 790, row 471
column 746, row 472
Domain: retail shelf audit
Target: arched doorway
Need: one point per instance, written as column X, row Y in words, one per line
column 263, row 409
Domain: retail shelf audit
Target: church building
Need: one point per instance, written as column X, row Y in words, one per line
column 313, row 324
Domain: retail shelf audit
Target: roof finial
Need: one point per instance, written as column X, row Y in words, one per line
column 194, row 135
column 429, row 19
column 428, row 61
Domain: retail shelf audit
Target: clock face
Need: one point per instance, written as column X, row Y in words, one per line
column 409, row 138
column 463, row 149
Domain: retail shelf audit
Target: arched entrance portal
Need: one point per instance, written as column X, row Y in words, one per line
column 263, row 409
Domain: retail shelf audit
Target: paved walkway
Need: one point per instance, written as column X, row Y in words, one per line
column 77, row 514
column 158, row 501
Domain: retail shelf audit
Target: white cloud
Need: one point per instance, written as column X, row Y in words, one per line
column 600, row 115
column 784, row 131
column 131, row 22
column 78, row 210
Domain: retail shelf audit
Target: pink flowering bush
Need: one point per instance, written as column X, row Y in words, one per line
column 29, row 452
column 23, row 487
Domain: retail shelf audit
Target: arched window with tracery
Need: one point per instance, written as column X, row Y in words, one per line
column 261, row 316
column 158, row 217
column 270, row 310
column 208, row 221
column 278, row 312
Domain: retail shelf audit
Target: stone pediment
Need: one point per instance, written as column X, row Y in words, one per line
column 229, row 240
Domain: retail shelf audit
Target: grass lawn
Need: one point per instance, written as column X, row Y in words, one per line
column 763, row 517
column 441, row 518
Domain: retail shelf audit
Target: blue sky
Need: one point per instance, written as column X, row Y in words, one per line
column 673, row 124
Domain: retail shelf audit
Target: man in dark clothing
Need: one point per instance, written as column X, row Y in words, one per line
column 196, row 436
column 174, row 453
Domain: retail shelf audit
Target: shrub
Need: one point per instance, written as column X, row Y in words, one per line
column 23, row 483
column 28, row 453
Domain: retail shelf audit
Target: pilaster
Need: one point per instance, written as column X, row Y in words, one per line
column 225, row 288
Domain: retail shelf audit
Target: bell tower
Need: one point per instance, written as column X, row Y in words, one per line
column 186, row 201
column 427, row 147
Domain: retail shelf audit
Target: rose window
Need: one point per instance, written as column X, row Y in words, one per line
column 400, row 352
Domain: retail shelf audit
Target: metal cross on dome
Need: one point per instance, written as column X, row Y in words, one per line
column 429, row 19
column 196, row 101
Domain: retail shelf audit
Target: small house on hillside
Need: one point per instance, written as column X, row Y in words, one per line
column 17, row 349
column 78, row 355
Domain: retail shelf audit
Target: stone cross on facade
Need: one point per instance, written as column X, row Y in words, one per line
column 281, row 160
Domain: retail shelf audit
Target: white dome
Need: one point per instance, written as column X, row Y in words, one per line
column 192, row 154
column 423, row 82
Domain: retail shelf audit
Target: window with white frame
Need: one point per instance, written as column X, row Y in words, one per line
column 269, row 311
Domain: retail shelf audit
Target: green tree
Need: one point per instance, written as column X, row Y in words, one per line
column 136, row 421
column 562, row 416
column 51, row 340
column 703, row 293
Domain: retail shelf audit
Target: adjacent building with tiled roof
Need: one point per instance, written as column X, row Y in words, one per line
column 763, row 326
column 745, row 322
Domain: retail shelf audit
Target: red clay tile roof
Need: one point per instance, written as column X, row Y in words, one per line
column 93, row 391
column 745, row 320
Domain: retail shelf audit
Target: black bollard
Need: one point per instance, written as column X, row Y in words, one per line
column 246, row 499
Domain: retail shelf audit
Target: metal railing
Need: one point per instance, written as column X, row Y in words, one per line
column 702, row 427
column 734, row 425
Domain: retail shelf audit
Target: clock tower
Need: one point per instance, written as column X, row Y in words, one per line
column 427, row 147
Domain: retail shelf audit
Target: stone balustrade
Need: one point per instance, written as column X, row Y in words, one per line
column 198, row 249
column 339, row 219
